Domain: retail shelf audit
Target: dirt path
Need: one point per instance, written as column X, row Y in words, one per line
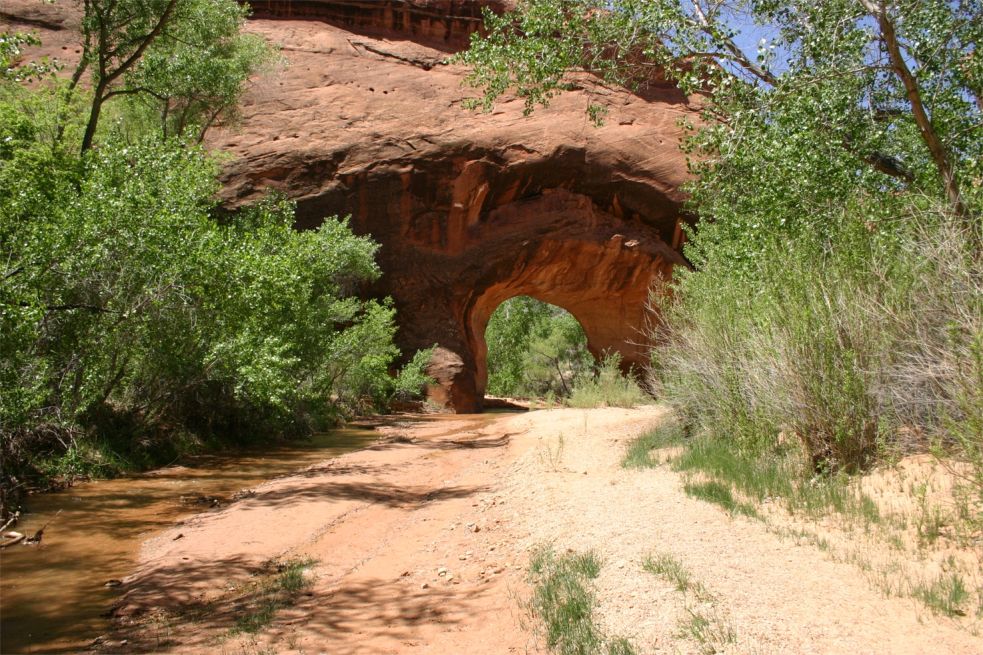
column 421, row 545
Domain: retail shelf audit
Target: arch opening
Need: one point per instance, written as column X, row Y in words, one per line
column 534, row 349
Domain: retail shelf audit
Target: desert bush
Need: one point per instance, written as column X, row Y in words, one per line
column 609, row 386
column 854, row 359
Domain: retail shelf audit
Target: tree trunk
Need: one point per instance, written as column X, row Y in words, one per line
column 90, row 128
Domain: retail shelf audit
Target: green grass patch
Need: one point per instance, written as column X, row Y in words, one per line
column 946, row 595
column 564, row 602
column 776, row 472
column 665, row 565
column 277, row 590
column 719, row 494
column 709, row 630
column 703, row 624
column 639, row 452
column 668, row 567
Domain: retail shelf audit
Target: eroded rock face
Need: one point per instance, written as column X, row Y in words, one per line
column 470, row 208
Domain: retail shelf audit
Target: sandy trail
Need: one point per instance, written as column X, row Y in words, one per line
column 421, row 545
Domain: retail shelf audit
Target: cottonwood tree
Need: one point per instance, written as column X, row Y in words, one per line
column 835, row 292
column 188, row 58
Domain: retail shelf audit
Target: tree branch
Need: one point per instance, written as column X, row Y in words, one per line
column 929, row 135
column 737, row 54
column 133, row 58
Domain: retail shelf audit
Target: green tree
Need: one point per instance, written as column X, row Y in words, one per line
column 136, row 318
column 534, row 348
column 188, row 58
column 895, row 85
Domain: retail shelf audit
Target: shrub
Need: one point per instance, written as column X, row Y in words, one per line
column 609, row 387
column 131, row 314
column 850, row 356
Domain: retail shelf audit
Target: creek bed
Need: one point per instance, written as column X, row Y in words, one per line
column 53, row 596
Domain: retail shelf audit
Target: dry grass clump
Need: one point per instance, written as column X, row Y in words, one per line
column 609, row 387
column 858, row 355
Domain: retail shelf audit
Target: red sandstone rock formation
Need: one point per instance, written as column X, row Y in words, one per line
column 470, row 208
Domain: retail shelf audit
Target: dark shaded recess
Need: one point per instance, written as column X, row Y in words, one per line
column 444, row 25
column 371, row 198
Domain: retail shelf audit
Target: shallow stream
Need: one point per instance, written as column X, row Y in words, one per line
column 53, row 595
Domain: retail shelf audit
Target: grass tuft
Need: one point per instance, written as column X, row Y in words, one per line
column 563, row 600
column 710, row 630
column 945, row 595
column 719, row 494
column 704, row 624
column 666, row 565
column 639, row 452
column 275, row 592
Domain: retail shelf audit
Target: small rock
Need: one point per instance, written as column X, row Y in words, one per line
column 442, row 571
column 425, row 585
column 113, row 583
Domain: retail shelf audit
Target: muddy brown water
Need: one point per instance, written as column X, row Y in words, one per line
column 53, row 596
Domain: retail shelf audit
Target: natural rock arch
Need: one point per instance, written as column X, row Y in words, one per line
column 589, row 267
column 469, row 209
column 557, row 247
